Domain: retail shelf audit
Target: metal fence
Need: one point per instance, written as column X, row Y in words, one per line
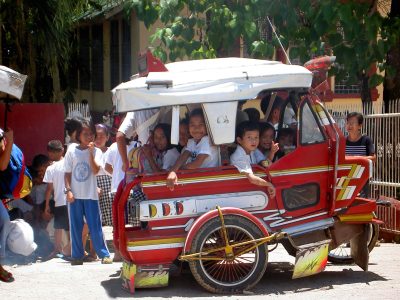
column 384, row 130
column 79, row 110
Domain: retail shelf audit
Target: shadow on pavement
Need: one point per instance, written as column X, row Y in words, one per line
column 276, row 281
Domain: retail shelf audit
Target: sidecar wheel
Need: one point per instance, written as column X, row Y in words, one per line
column 228, row 275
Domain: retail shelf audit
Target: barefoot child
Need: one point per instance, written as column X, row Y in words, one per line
column 247, row 138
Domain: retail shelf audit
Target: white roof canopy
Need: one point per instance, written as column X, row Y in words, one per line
column 208, row 80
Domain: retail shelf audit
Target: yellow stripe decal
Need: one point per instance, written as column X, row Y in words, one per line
column 156, row 242
column 356, row 217
column 346, row 183
column 201, row 179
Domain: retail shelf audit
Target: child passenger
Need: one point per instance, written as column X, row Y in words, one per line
column 162, row 155
column 81, row 164
column 247, row 138
column 199, row 152
column 267, row 146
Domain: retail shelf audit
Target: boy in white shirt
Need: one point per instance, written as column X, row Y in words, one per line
column 247, row 138
column 199, row 153
column 54, row 177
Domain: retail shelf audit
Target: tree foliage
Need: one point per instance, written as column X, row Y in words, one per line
column 37, row 41
column 353, row 30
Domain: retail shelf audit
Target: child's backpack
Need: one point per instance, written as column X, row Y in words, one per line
column 15, row 181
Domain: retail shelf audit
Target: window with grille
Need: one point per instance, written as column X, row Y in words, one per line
column 264, row 29
column 97, row 58
column 344, row 87
column 114, row 54
column 84, row 58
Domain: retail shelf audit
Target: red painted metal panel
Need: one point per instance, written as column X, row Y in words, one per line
column 34, row 124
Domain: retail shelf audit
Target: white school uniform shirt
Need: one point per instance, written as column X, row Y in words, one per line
column 203, row 147
column 259, row 156
column 103, row 163
column 55, row 175
column 83, row 181
column 113, row 158
column 169, row 158
column 243, row 161
column 38, row 193
column 141, row 122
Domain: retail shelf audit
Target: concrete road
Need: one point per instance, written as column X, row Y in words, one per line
column 57, row 279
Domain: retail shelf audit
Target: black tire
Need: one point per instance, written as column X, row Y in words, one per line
column 229, row 276
column 341, row 254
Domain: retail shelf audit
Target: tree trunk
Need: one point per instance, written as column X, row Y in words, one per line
column 32, row 70
column 366, row 94
column 391, row 85
column 55, row 75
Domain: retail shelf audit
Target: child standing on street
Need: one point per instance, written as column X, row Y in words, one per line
column 81, row 164
column 54, row 177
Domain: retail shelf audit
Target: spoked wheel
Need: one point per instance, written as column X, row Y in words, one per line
column 342, row 254
column 229, row 269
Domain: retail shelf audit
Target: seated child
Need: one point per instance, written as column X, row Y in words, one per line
column 253, row 113
column 184, row 134
column 286, row 142
column 161, row 155
column 267, row 146
column 199, row 153
column 247, row 137
column 39, row 165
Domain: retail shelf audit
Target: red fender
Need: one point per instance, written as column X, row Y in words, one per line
column 213, row 214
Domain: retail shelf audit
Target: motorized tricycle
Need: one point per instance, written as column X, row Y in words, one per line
column 215, row 219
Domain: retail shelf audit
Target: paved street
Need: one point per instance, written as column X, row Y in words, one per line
column 57, row 279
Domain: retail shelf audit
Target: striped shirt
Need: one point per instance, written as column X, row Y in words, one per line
column 362, row 147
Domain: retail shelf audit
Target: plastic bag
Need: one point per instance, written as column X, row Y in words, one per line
column 20, row 240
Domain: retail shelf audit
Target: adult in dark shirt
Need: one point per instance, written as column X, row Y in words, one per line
column 358, row 144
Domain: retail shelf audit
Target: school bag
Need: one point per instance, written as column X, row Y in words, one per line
column 15, row 181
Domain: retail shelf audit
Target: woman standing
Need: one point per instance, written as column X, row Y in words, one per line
column 358, row 144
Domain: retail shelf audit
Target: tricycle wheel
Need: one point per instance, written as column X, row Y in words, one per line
column 342, row 254
column 218, row 272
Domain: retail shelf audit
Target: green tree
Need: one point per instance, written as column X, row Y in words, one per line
column 353, row 30
column 37, row 42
